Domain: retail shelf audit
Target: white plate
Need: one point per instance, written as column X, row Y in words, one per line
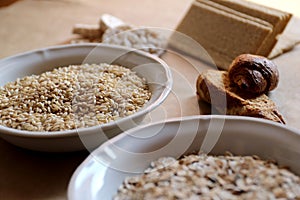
column 128, row 154
column 153, row 69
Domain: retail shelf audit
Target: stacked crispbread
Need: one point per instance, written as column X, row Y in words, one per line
column 228, row 28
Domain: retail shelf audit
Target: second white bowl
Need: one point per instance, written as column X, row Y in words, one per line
column 130, row 153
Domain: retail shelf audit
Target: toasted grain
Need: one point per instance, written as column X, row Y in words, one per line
column 72, row 97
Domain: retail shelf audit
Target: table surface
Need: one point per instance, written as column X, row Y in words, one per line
column 31, row 24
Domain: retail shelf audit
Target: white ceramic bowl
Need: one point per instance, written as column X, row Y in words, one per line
column 153, row 69
column 128, row 154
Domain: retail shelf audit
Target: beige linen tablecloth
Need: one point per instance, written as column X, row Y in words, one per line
column 31, row 24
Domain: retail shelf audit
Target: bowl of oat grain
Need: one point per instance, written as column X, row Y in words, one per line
column 74, row 97
column 195, row 157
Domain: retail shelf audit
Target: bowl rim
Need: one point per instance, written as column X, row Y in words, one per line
column 88, row 130
column 200, row 117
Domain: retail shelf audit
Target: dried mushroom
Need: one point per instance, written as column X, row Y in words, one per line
column 254, row 74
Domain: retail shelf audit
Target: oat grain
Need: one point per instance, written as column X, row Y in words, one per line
column 211, row 177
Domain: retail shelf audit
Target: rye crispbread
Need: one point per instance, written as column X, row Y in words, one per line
column 226, row 29
column 214, row 87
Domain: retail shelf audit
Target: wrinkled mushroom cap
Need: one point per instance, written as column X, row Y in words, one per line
column 254, row 74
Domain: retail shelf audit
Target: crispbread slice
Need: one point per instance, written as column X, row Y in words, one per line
column 265, row 42
column 235, row 12
column 277, row 18
column 214, row 87
column 109, row 21
column 220, row 32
